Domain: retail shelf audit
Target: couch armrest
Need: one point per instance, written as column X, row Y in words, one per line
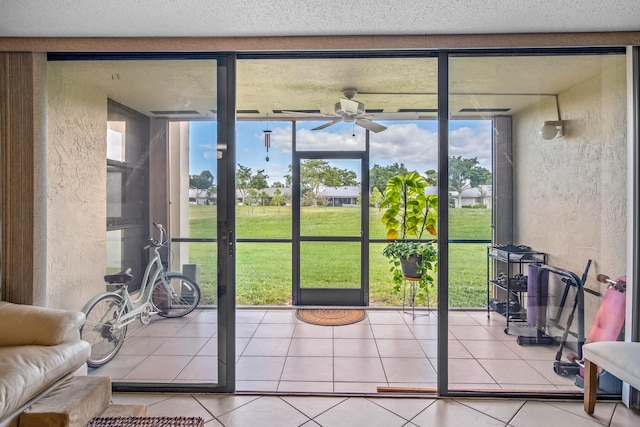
column 32, row 325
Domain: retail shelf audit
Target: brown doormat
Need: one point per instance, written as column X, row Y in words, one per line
column 146, row 422
column 330, row 316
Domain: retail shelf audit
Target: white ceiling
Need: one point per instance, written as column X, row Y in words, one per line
column 316, row 84
column 61, row 18
column 389, row 84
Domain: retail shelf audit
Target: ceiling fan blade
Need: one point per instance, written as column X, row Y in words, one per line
column 372, row 126
column 302, row 113
column 326, row 125
column 349, row 106
column 409, row 115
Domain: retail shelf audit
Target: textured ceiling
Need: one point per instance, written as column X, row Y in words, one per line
column 504, row 84
column 62, row 18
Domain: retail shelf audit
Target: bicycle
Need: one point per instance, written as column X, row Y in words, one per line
column 165, row 293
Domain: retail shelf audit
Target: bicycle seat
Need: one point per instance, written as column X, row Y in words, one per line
column 122, row 277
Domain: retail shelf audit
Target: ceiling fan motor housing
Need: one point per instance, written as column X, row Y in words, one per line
column 348, row 108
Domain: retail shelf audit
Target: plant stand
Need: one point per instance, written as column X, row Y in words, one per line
column 409, row 298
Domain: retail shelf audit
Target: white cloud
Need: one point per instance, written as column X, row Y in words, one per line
column 411, row 143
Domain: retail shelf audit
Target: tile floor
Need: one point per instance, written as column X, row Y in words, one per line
column 339, row 411
column 276, row 352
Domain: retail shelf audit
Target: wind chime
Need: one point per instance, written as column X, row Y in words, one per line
column 267, row 140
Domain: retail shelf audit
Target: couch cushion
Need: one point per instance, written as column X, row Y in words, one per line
column 28, row 324
column 26, row 371
column 620, row 358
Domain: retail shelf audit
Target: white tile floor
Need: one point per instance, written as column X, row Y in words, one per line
column 276, row 352
column 339, row 411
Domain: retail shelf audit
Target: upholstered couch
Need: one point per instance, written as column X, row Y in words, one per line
column 39, row 347
column 620, row 358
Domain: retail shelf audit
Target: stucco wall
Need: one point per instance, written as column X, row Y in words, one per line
column 76, row 185
column 570, row 192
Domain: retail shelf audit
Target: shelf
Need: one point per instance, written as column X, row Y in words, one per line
column 511, row 288
column 512, row 280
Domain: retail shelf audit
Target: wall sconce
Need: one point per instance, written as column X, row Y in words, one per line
column 552, row 129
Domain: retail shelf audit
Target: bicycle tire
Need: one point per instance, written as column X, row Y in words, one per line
column 96, row 330
column 184, row 298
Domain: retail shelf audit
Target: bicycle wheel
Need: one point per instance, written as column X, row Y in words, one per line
column 97, row 331
column 181, row 299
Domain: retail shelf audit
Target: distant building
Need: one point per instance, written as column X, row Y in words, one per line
column 475, row 196
column 202, row 197
column 341, row 196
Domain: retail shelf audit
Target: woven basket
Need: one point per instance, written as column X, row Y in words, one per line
column 146, row 422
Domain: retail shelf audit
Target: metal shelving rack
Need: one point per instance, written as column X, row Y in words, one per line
column 514, row 284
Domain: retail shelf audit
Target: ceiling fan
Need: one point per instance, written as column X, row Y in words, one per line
column 351, row 111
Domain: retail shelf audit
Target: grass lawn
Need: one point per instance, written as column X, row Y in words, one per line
column 263, row 270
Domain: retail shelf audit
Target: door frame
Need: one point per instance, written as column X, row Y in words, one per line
column 328, row 296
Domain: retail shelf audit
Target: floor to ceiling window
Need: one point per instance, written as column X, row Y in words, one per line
column 317, row 139
column 154, row 122
column 557, row 166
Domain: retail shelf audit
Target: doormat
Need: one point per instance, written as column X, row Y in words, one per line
column 330, row 316
column 146, row 422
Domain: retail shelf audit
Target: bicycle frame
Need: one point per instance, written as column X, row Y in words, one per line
column 142, row 303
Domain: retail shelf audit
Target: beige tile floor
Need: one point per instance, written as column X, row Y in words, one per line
column 338, row 370
column 276, row 352
column 339, row 411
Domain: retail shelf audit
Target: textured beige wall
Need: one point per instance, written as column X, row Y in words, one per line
column 76, row 186
column 570, row 193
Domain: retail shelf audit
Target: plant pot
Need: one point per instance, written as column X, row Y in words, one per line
column 410, row 266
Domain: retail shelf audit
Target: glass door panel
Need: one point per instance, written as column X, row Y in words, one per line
column 537, row 162
column 154, row 122
column 330, row 265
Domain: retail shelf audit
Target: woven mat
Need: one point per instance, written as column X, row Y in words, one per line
column 330, row 316
column 146, row 422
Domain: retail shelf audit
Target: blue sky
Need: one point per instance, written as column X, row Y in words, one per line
column 411, row 143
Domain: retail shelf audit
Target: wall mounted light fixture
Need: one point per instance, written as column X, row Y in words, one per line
column 553, row 129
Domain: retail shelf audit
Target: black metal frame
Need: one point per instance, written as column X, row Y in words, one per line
column 330, row 296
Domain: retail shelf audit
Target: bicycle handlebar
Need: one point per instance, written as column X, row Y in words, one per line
column 157, row 243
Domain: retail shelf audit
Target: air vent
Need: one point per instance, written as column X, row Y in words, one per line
column 484, row 110
column 296, row 111
column 247, row 111
column 417, row 110
column 174, row 112
column 375, row 110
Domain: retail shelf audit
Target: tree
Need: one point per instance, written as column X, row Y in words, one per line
column 288, row 180
column 315, row 175
column 259, row 180
column 243, row 177
column 376, row 197
column 278, row 199
column 465, row 173
column 203, row 183
column 432, row 177
column 380, row 175
column 264, row 196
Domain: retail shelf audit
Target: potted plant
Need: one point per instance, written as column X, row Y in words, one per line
column 408, row 214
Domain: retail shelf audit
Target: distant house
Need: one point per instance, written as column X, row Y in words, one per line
column 341, row 196
column 202, row 197
column 475, row 196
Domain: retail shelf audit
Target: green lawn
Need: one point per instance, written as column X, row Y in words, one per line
column 263, row 270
